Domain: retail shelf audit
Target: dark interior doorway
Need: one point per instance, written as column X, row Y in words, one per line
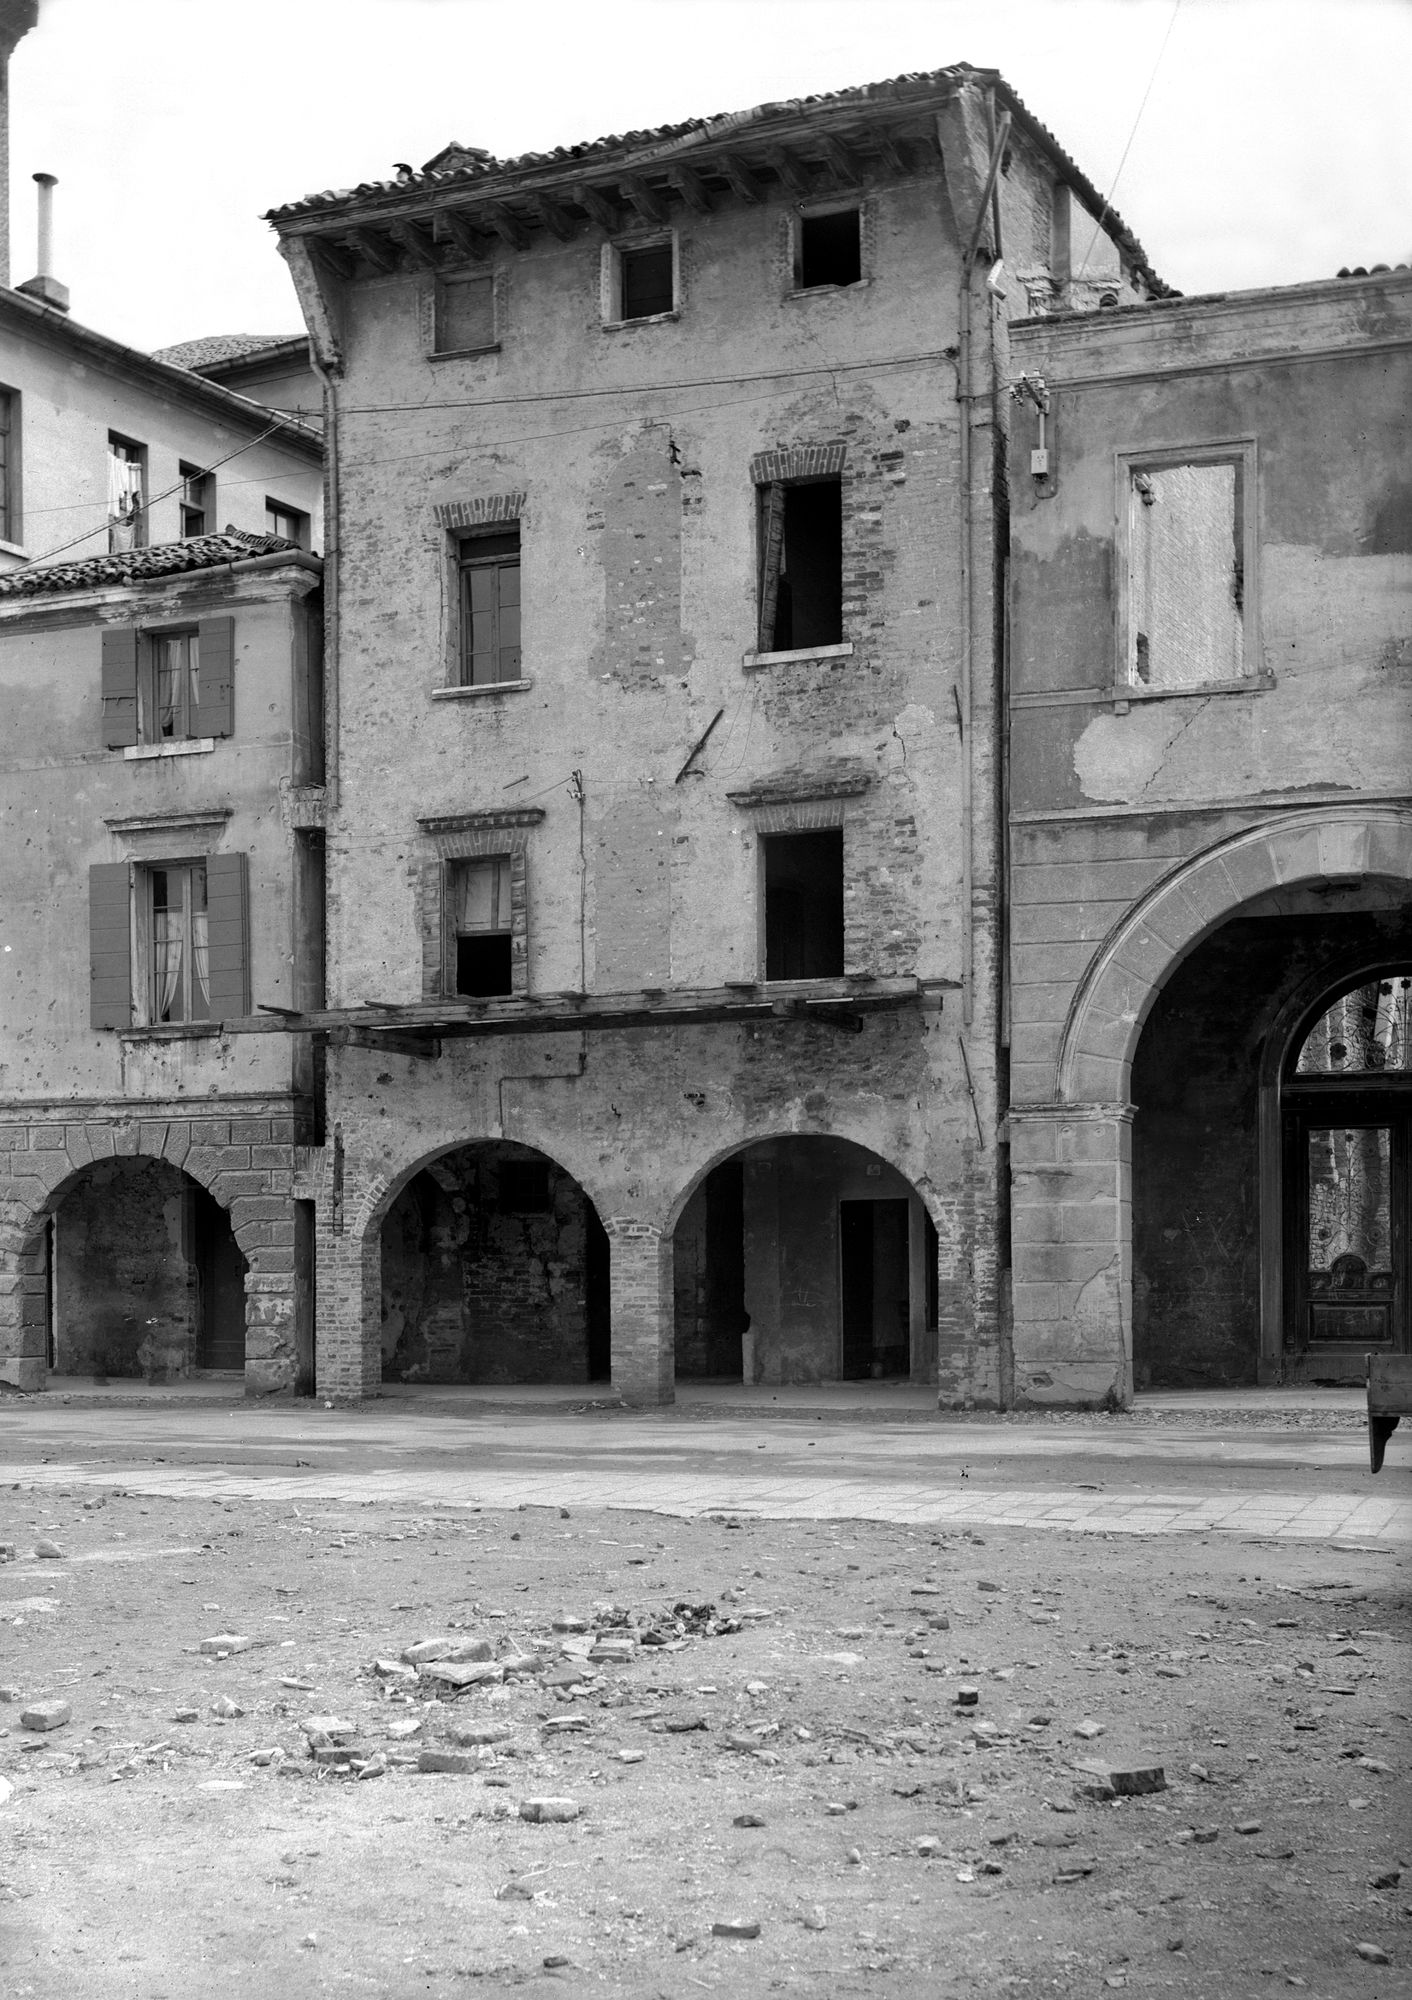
column 875, row 1287
column 220, row 1286
column 804, row 904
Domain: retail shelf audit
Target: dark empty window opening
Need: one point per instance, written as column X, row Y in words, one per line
column 524, row 1186
column 830, row 249
column 801, row 566
column 804, row 905
column 647, row 284
column 479, row 895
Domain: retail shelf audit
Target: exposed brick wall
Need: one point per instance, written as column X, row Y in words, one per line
column 474, row 1291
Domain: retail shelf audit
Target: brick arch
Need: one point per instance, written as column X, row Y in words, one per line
column 36, row 1187
column 377, row 1194
column 674, row 1212
column 1140, row 954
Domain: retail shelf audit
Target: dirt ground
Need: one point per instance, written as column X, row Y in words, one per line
column 798, row 1762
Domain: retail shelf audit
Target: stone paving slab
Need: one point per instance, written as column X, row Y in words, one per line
column 657, row 1489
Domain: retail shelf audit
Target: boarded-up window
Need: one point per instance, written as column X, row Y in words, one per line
column 1186, row 574
column 479, row 925
column 489, row 568
column 464, row 314
column 801, row 565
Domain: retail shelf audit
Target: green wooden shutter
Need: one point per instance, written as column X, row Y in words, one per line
column 215, row 709
column 119, row 684
column 109, row 945
column 228, row 931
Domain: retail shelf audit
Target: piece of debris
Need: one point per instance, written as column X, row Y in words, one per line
column 448, row 1646
column 747, row 1819
column 928, row 1845
column 736, row 1927
column 1128, row 1779
column 225, row 1643
column 457, row 1763
column 48, row 1551
column 44, row 1715
column 1374, row 1954
column 967, row 1697
column 544, row 1811
column 1088, row 1729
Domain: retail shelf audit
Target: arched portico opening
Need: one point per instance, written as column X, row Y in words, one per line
column 143, row 1277
column 494, row 1267
column 804, row 1258
column 1148, row 1222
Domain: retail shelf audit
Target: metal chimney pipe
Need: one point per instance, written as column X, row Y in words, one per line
column 44, row 286
column 46, row 184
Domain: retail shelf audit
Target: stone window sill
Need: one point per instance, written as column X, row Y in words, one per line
column 650, row 319
column 797, row 653
column 481, row 688
column 187, row 746
column 827, row 291
column 1123, row 696
column 171, row 1031
column 13, row 549
column 462, row 353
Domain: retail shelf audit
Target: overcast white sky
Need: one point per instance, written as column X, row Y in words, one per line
column 1276, row 144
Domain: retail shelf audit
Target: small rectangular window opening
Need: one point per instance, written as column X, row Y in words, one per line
column 197, row 511
column 170, row 687
column 127, row 497
column 465, row 314
column 830, row 249
column 9, row 467
column 287, row 522
column 804, row 904
column 801, row 566
column 489, row 567
column 1186, row 578
column 647, row 281
column 180, row 968
column 480, row 925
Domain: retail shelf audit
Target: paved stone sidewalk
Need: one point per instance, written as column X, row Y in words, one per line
column 658, row 1489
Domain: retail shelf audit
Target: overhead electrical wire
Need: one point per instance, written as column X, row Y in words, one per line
column 1113, row 186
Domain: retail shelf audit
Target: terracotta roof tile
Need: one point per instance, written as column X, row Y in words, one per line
column 140, row 565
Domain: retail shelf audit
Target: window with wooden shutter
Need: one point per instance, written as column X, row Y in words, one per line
column 119, row 687
column 228, row 934
column 109, row 945
column 214, row 711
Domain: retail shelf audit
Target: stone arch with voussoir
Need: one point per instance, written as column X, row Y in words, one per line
column 1072, row 1155
column 53, row 1160
column 350, row 1256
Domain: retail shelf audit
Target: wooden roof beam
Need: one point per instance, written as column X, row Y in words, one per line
column 335, row 257
column 507, row 227
column 648, row 203
column 692, row 189
column 792, row 172
column 742, row 181
column 892, row 151
column 468, row 241
column 597, row 207
column 417, row 242
column 381, row 254
column 841, row 162
column 555, row 218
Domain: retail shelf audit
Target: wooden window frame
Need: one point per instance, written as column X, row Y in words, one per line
column 612, row 277
column 493, row 556
column 281, row 510
column 821, row 212
column 10, row 514
column 127, row 531
column 147, row 1006
column 432, row 313
column 452, row 934
column 198, row 497
column 473, row 836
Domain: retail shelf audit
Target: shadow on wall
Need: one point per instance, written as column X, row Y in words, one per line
column 147, row 1278
column 494, row 1270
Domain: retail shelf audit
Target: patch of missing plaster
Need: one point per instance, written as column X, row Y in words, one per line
column 1119, row 758
column 910, row 723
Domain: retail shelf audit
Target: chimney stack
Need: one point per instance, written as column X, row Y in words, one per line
column 44, row 286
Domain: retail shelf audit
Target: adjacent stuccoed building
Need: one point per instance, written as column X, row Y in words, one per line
column 1210, row 960
column 664, row 851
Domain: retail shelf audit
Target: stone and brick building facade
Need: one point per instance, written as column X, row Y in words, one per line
column 664, row 867
column 1210, row 827
column 160, row 863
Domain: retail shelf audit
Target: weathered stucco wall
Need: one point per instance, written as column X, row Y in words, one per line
column 1295, row 774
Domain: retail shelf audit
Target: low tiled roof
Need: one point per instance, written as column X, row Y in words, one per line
column 215, row 347
column 141, row 565
column 470, row 166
